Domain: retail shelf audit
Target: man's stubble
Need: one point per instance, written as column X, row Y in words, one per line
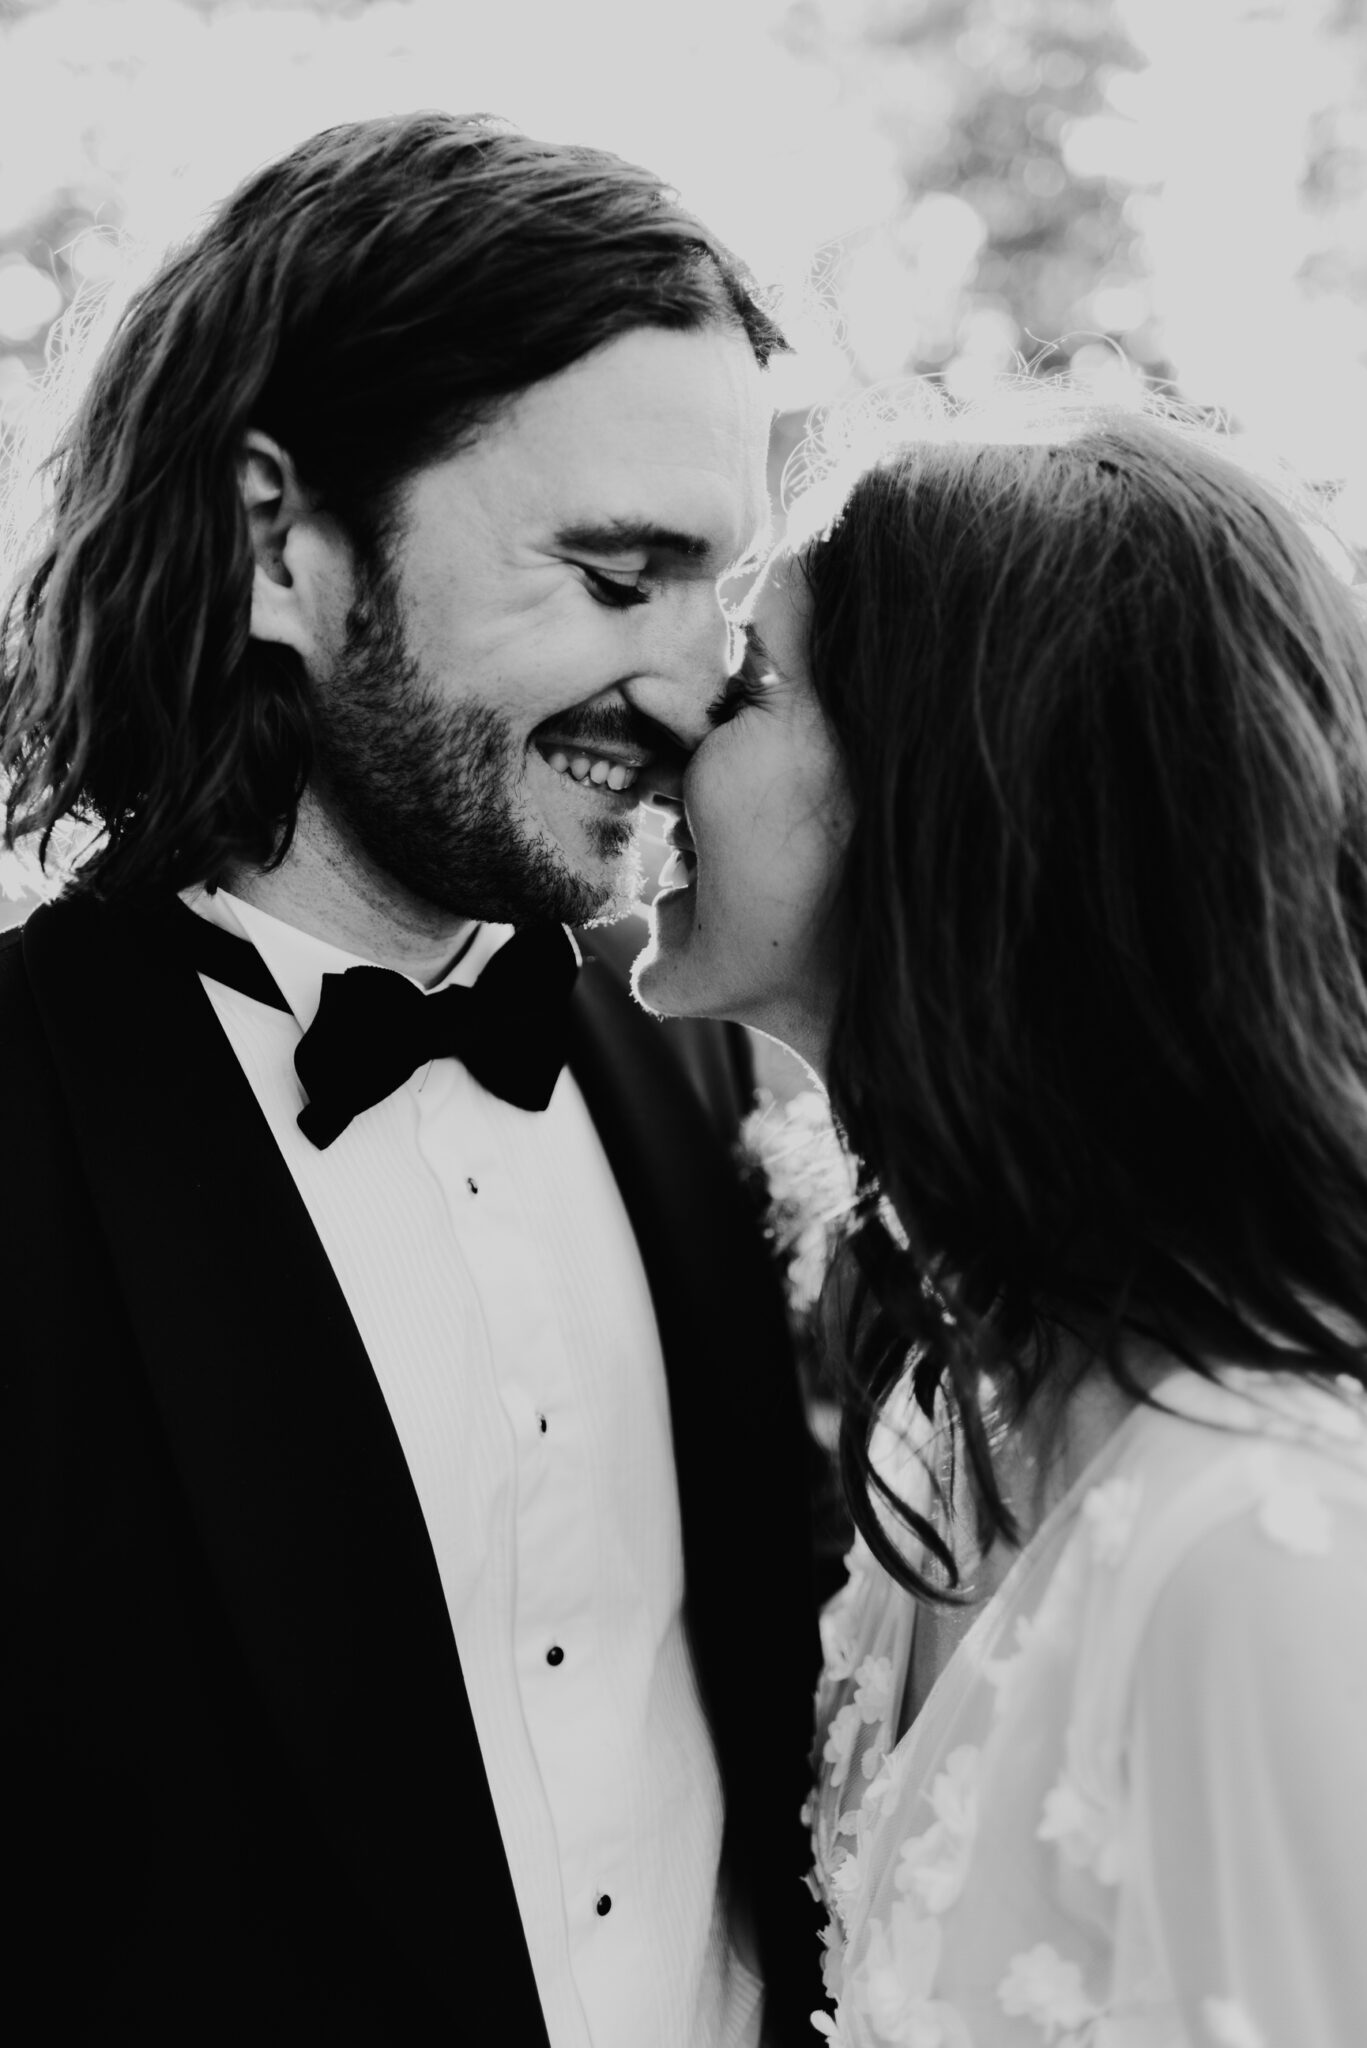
column 427, row 790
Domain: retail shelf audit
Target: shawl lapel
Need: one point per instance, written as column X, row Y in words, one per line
column 284, row 1448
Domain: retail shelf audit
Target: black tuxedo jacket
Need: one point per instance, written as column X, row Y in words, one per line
column 245, row 1801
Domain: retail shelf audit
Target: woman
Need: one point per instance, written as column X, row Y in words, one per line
column 1037, row 820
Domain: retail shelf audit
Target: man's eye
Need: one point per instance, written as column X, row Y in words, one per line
column 615, row 590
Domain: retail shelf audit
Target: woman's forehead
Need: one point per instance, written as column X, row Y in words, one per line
column 778, row 612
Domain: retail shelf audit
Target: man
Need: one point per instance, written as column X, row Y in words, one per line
column 405, row 1552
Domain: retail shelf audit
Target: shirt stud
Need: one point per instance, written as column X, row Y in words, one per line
column 555, row 1655
column 603, row 1906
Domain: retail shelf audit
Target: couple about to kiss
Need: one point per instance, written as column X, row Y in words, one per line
column 407, row 1560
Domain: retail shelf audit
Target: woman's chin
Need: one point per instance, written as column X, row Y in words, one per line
column 686, row 971
column 664, row 978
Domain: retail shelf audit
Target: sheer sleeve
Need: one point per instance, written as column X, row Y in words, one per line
column 1249, row 1776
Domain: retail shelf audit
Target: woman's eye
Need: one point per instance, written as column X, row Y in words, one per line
column 747, row 686
column 615, row 590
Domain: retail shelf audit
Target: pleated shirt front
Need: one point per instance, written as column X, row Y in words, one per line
column 490, row 1266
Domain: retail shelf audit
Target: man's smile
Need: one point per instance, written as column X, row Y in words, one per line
column 603, row 767
column 609, row 753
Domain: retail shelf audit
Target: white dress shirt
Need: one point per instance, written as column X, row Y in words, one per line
column 488, row 1261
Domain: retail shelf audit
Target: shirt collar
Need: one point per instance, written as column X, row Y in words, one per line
column 298, row 960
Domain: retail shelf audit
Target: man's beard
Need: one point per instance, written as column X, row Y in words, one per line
column 427, row 789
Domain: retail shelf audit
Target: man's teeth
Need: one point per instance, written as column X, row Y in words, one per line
column 592, row 768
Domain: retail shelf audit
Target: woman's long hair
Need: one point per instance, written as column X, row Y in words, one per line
column 1101, row 1043
column 370, row 300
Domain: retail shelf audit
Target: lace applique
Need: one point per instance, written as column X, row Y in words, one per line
column 1050, row 1629
column 1043, row 1986
column 1089, row 1831
column 1108, row 1515
column 1290, row 1512
column 839, row 1744
column 943, row 1935
column 1228, row 2024
column 873, row 1697
column 886, row 1789
column 892, row 1987
column 873, row 1689
column 839, row 1648
column 1003, row 1673
column 832, row 1960
column 871, row 1707
column 1054, row 1624
column 846, row 1879
column 932, row 1866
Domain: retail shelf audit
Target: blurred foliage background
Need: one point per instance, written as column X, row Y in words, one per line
column 1174, row 189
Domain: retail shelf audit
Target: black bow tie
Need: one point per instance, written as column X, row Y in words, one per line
column 374, row 1028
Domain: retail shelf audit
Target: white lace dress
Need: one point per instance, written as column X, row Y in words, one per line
column 1132, row 1812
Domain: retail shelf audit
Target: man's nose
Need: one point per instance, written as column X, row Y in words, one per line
column 689, row 666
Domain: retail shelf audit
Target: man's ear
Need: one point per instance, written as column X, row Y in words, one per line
column 286, row 534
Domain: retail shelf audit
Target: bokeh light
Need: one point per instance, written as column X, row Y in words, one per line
column 1173, row 190
column 1116, row 187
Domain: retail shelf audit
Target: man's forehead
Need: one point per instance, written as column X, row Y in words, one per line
column 659, row 437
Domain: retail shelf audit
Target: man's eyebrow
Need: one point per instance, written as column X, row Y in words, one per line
column 631, row 536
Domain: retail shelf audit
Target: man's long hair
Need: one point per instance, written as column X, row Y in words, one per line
column 1101, row 1041
column 371, row 301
